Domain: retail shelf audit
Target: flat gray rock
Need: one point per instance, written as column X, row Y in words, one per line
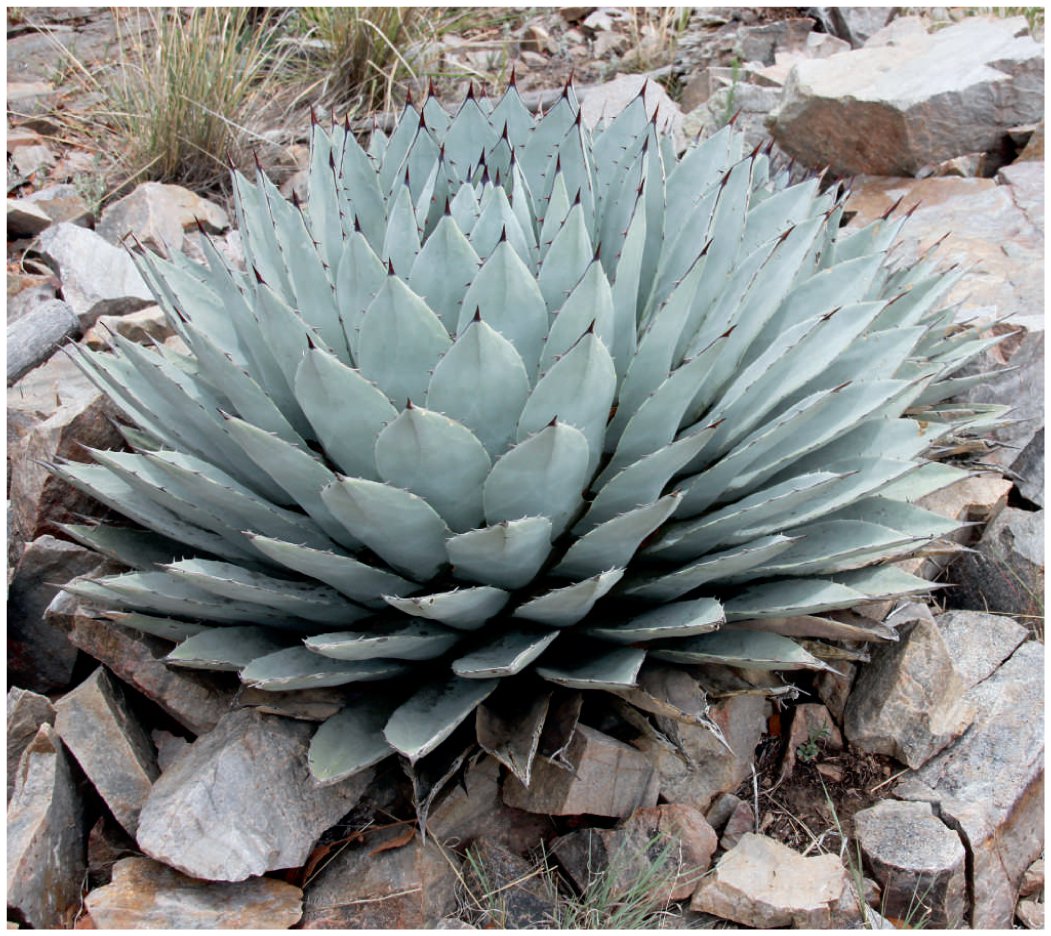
column 97, row 277
column 45, row 836
column 110, row 745
column 918, row 861
column 990, row 785
column 240, row 801
column 40, row 655
column 890, row 110
column 195, row 700
column 146, row 895
column 26, row 712
column 908, row 701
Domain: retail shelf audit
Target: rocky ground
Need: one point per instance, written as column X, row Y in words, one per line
column 909, row 784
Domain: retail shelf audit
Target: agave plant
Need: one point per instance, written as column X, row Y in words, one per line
column 508, row 402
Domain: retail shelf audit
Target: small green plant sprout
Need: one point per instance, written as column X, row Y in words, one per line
column 810, row 749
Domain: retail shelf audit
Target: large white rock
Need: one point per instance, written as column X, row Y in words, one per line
column 989, row 786
column 765, row 884
column 97, row 278
column 240, row 801
column 891, row 109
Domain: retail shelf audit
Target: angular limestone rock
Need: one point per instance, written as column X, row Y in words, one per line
column 147, row 895
column 917, row 860
column 159, row 216
column 978, row 643
column 608, row 778
column 45, row 836
column 889, row 110
column 196, row 701
column 97, row 278
column 764, row 884
column 989, row 786
column 383, row 883
column 908, row 702
column 240, row 801
column 113, row 749
column 40, row 655
column 26, row 712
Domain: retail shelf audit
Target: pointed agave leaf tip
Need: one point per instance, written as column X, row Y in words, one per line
column 828, row 315
column 470, row 91
column 886, row 214
column 842, row 386
column 598, row 252
column 313, row 116
column 511, row 81
column 576, row 198
column 769, row 148
column 733, row 119
column 390, row 267
column 408, row 97
column 258, row 276
column 432, row 91
column 590, row 330
column 477, row 314
column 706, row 246
column 503, row 234
column 200, row 226
column 357, row 224
column 408, row 404
column 258, row 163
column 553, row 423
column 909, row 213
column 447, row 210
column 332, row 161
column 310, row 343
column 346, row 122
column 755, row 151
column 785, row 234
column 295, row 200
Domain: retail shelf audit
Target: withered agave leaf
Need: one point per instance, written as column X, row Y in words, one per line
column 512, row 402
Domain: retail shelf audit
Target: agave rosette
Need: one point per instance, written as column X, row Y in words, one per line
column 509, row 400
